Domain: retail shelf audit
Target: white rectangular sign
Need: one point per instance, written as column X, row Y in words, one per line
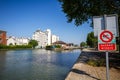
column 97, row 25
column 111, row 24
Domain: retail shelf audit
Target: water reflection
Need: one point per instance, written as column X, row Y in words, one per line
column 36, row 64
column 2, row 61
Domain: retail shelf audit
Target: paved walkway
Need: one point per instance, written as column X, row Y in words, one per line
column 82, row 71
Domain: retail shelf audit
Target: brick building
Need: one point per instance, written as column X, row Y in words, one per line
column 3, row 37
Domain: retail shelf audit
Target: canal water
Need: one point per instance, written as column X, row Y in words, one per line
column 36, row 64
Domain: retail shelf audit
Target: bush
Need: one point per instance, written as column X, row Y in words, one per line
column 33, row 43
column 15, row 46
column 49, row 47
column 57, row 46
column 92, row 62
column 97, row 63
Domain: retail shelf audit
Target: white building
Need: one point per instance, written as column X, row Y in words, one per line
column 22, row 41
column 49, row 35
column 11, row 40
column 41, row 37
column 44, row 38
column 55, row 38
column 17, row 41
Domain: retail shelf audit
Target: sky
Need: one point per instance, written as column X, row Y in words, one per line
column 21, row 18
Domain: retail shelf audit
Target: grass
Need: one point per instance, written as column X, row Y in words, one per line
column 98, row 59
column 96, row 63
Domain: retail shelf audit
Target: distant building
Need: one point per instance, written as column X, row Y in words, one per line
column 41, row 37
column 55, row 38
column 44, row 38
column 22, row 41
column 49, row 37
column 61, row 43
column 64, row 45
column 11, row 40
column 17, row 41
column 3, row 40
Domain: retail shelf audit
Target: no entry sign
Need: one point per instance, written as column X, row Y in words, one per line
column 106, row 41
column 106, row 36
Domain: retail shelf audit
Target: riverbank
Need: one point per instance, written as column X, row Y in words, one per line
column 13, row 47
column 82, row 71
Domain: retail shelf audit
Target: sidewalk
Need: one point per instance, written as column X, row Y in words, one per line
column 82, row 71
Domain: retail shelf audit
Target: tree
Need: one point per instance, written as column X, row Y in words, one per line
column 82, row 44
column 34, row 43
column 81, row 11
column 10, row 44
column 91, row 40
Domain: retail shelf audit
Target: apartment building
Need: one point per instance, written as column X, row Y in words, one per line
column 44, row 38
column 41, row 37
column 55, row 38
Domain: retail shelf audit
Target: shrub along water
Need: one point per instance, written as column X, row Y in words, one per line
column 97, row 63
column 51, row 47
column 15, row 46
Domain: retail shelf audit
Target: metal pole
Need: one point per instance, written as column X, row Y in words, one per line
column 107, row 66
column 107, row 57
column 105, row 22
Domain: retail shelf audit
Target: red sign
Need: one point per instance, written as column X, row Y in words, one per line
column 106, row 36
column 105, row 42
column 107, row 46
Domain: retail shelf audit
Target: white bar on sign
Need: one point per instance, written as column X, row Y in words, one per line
column 112, row 24
column 97, row 25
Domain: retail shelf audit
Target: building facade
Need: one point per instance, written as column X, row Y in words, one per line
column 3, row 40
column 11, row 40
column 41, row 38
column 55, row 38
column 49, row 37
column 44, row 38
column 17, row 41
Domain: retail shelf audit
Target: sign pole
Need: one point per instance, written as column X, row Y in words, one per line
column 107, row 25
column 107, row 66
column 107, row 60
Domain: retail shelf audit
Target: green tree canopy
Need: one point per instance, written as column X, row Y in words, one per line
column 34, row 43
column 82, row 44
column 91, row 40
column 81, row 11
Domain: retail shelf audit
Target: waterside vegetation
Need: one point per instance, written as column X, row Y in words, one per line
column 15, row 46
column 51, row 47
column 31, row 44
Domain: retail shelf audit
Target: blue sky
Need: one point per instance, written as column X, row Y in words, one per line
column 21, row 18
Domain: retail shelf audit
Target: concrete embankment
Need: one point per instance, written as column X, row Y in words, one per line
column 82, row 71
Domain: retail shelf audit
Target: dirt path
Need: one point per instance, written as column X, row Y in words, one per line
column 83, row 71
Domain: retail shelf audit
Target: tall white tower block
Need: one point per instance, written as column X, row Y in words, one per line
column 49, row 36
